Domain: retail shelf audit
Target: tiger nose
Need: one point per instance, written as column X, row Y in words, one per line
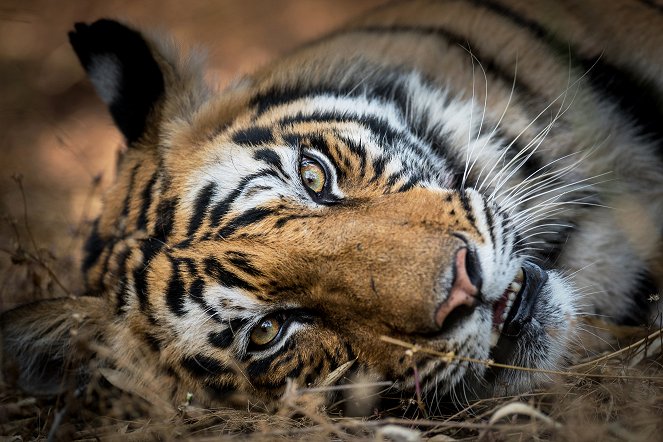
column 466, row 285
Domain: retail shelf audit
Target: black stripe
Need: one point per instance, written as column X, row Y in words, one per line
column 223, row 207
column 261, row 367
column 219, row 389
column 349, row 352
column 122, row 292
column 334, row 362
column 313, row 375
column 175, row 290
column 149, row 248
column 359, row 150
column 146, row 196
column 279, row 95
column 94, row 247
column 201, row 366
column 222, row 339
column 196, row 294
column 200, row 207
column 491, row 223
column 380, row 127
column 107, row 255
column 249, row 217
column 165, row 221
column 242, row 262
column 378, row 168
column 270, row 157
column 469, row 215
column 411, row 182
column 153, row 341
column 196, row 291
column 253, row 136
column 394, row 177
column 130, row 190
column 190, row 265
column 296, row 371
column 455, row 162
column 215, row 269
column 280, row 222
column 534, row 27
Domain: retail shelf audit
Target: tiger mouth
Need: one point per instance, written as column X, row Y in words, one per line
column 514, row 309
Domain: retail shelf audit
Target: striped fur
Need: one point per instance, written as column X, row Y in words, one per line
column 528, row 132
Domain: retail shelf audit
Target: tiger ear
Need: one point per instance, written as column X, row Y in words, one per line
column 44, row 343
column 133, row 74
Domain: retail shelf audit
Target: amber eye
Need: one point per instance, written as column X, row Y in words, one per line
column 313, row 175
column 265, row 332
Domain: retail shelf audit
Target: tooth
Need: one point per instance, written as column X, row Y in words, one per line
column 512, row 297
column 494, row 337
column 516, row 286
column 520, row 275
column 504, row 314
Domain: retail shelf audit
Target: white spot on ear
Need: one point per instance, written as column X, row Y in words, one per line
column 105, row 74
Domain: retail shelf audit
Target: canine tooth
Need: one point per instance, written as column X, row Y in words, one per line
column 516, row 286
column 494, row 337
column 520, row 276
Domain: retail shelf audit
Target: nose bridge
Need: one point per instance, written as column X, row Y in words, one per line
column 391, row 256
column 426, row 207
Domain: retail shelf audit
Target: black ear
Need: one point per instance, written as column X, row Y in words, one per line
column 123, row 70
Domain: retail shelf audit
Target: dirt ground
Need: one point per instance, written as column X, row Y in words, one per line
column 58, row 139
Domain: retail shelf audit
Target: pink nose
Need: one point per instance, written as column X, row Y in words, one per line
column 463, row 291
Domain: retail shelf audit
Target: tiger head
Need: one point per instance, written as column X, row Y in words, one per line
column 293, row 226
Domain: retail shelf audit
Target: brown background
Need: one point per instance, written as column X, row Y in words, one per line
column 57, row 136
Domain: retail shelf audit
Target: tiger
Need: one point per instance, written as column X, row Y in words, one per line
column 469, row 177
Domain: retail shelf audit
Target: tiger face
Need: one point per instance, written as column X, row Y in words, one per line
column 284, row 239
column 288, row 229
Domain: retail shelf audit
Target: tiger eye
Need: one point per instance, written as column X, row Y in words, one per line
column 265, row 331
column 313, row 175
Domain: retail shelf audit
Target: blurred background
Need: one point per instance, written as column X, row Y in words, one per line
column 57, row 142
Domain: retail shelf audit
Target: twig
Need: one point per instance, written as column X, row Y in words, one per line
column 451, row 356
column 620, row 351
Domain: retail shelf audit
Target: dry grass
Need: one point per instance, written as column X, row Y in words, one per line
column 59, row 138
